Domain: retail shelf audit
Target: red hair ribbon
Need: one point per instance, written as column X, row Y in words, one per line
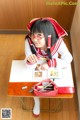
column 59, row 30
column 49, row 41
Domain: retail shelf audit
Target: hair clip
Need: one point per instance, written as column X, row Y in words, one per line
column 49, row 41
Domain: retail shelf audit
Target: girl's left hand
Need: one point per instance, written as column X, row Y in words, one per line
column 44, row 66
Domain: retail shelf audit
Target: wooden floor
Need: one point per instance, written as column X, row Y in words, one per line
column 12, row 47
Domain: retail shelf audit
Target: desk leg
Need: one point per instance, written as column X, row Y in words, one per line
column 56, row 109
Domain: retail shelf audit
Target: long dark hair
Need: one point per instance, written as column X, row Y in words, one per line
column 44, row 26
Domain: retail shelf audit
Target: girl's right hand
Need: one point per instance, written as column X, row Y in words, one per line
column 32, row 58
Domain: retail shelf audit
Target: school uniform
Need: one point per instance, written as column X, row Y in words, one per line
column 58, row 49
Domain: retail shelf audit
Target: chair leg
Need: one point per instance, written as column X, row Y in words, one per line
column 56, row 109
column 24, row 107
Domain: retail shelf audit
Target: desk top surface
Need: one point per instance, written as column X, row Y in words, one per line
column 21, row 74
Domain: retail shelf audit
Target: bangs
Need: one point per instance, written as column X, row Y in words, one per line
column 36, row 28
column 40, row 27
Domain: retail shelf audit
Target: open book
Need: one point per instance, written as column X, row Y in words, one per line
column 52, row 72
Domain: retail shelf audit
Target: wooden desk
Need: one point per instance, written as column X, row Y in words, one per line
column 22, row 76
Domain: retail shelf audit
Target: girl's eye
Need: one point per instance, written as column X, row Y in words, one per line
column 39, row 34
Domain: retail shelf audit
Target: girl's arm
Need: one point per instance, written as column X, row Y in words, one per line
column 65, row 57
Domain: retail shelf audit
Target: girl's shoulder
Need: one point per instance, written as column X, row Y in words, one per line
column 55, row 47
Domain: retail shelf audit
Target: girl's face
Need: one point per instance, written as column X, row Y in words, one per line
column 39, row 40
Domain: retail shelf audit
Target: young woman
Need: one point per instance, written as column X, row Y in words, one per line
column 45, row 41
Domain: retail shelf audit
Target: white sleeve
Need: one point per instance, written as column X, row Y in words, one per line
column 27, row 48
column 66, row 56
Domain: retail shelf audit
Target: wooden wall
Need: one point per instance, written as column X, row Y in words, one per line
column 15, row 14
column 75, row 40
